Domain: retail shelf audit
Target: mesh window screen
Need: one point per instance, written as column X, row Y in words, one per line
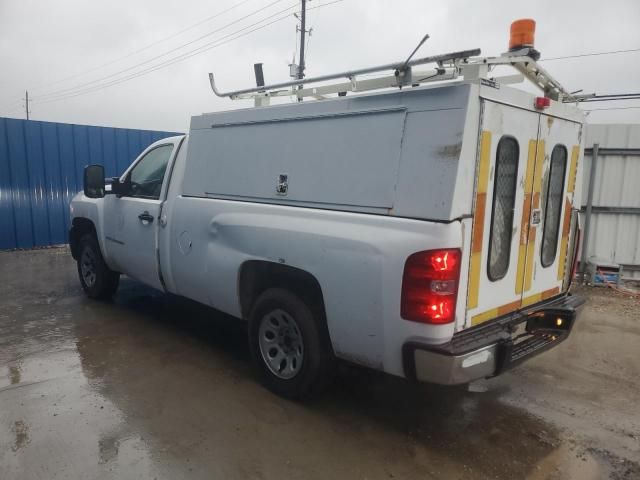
column 553, row 205
column 504, row 193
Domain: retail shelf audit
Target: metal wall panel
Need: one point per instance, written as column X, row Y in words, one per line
column 41, row 169
column 615, row 236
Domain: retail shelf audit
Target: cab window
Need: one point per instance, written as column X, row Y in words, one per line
column 147, row 175
column 504, row 196
column 553, row 205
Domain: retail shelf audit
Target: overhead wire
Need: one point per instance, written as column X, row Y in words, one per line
column 132, row 67
column 592, row 54
column 12, row 105
column 611, row 98
column 171, row 61
column 611, row 108
column 146, row 47
column 184, row 56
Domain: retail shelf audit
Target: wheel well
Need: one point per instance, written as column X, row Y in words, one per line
column 256, row 276
column 79, row 228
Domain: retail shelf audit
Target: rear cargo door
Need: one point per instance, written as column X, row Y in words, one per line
column 507, row 154
column 547, row 251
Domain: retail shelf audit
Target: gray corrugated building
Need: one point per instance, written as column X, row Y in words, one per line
column 615, row 223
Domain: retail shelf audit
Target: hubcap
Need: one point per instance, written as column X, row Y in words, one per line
column 88, row 267
column 281, row 344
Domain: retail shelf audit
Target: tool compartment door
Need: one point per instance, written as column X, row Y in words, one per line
column 547, row 261
column 504, row 176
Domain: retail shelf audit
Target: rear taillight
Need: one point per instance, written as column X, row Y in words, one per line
column 430, row 286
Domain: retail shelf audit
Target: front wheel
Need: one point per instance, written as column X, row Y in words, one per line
column 97, row 279
column 288, row 345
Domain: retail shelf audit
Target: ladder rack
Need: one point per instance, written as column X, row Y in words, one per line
column 449, row 66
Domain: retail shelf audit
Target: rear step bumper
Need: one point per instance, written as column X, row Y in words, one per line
column 492, row 348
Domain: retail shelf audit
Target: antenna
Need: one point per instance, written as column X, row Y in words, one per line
column 406, row 62
column 403, row 74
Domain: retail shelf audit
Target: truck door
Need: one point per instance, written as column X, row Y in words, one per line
column 546, row 261
column 503, row 196
column 131, row 221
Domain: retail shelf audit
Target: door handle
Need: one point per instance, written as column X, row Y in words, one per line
column 146, row 217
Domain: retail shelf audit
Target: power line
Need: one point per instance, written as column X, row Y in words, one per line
column 146, row 47
column 611, row 108
column 12, row 105
column 609, row 97
column 182, row 57
column 626, row 97
column 170, row 61
column 208, row 34
column 593, row 54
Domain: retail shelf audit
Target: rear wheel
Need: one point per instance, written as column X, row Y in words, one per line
column 97, row 279
column 288, row 344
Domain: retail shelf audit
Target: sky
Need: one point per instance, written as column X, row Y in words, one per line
column 85, row 61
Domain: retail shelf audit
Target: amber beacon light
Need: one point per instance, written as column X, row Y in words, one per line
column 522, row 34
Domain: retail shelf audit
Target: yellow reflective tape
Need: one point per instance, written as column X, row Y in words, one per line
column 538, row 297
column 531, row 241
column 526, row 216
column 483, row 317
column 478, row 220
column 564, row 242
column 563, row 254
column 483, row 172
column 474, row 280
column 495, row 312
column 531, row 299
column 528, row 269
column 573, row 169
column 537, row 179
column 528, row 182
column 513, row 306
column 522, row 255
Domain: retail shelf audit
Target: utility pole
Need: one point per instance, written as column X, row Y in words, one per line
column 26, row 102
column 303, row 32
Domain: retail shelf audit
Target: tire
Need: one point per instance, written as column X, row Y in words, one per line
column 289, row 346
column 97, row 279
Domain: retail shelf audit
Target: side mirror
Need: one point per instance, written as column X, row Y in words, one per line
column 94, row 181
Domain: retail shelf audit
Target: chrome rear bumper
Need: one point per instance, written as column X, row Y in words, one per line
column 494, row 347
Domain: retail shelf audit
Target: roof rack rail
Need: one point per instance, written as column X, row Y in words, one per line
column 449, row 66
column 402, row 73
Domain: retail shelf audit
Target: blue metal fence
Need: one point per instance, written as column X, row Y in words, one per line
column 41, row 169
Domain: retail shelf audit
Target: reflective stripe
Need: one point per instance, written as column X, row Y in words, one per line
column 478, row 220
column 495, row 312
column 513, row 306
column 531, row 243
column 564, row 242
column 538, row 297
column 526, row 215
column 573, row 169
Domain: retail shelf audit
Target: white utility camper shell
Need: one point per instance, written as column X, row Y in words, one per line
column 406, row 153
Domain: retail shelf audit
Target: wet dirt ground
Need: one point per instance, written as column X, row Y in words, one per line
column 154, row 386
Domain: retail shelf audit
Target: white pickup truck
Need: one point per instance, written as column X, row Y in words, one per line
column 428, row 231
